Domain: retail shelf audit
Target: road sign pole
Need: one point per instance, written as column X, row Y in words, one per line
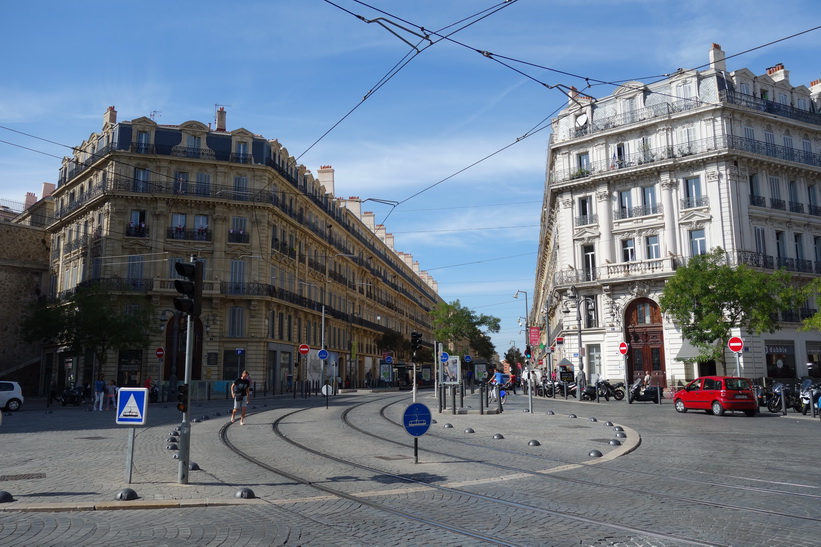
column 129, row 455
column 737, row 364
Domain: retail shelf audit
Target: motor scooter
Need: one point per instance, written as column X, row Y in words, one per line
column 809, row 395
column 71, row 396
column 650, row 393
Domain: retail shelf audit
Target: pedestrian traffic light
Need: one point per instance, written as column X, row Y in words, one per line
column 182, row 397
column 190, row 287
column 527, row 352
column 416, row 342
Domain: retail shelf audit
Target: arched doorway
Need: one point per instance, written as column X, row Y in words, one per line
column 645, row 334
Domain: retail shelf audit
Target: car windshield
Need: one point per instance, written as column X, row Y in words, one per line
column 737, row 383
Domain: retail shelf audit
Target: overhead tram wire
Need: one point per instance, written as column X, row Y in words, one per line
column 402, row 63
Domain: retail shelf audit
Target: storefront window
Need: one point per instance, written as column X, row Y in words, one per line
column 780, row 356
column 814, row 359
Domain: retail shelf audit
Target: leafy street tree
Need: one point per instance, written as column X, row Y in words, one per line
column 812, row 291
column 708, row 298
column 91, row 318
column 455, row 325
column 392, row 340
column 513, row 356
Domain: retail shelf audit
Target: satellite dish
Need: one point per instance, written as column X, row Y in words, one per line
column 581, row 120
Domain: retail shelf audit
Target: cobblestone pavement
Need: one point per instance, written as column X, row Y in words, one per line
column 728, row 480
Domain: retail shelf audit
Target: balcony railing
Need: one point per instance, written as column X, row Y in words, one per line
column 587, row 220
column 189, row 235
column 763, row 105
column 758, row 201
column 651, row 155
column 779, row 204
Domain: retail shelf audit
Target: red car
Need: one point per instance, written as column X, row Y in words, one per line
column 716, row 394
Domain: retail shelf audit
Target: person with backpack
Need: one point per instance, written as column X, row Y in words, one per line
column 241, row 393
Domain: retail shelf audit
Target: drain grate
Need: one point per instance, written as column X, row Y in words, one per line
column 22, row 477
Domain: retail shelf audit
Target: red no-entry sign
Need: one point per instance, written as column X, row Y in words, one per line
column 160, row 353
column 623, row 348
column 304, row 349
column 735, row 344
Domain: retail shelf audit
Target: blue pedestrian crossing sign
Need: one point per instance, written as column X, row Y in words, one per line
column 417, row 419
column 132, row 403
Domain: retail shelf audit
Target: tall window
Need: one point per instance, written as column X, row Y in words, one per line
column 625, row 204
column 238, row 224
column 788, row 148
column 178, row 221
column 749, row 133
column 193, row 142
column 201, row 227
column 135, row 271
column 180, row 182
column 692, row 192
column 236, row 322
column 648, row 196
column 628, row 250
column 745, row 88
column 686, row 140
column 698, row 242
column 780, row 245
column 583, row 162
column 644, row 313
column 203, row 184
column 812, row 195
column 769, row 139
column 141, row 181
column 240, row 188
column 652, row 247
column 143, row 142
column 798, row 239
column 237, row 277
column 760, row 241
column 807, row 146
column 589, row 260
column 585, row 211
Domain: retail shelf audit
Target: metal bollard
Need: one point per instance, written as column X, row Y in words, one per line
column 462, row 395
column 481, row 398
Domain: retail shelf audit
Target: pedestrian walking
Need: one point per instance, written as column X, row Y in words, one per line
column 99, row 393
column 110, row 395
column 241, row 393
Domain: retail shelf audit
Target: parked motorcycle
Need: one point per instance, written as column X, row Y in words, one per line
column 589, row 393
column 649, row 393
column 780, row 394
column 71, row 396
column 810, row 395
column 613, row 390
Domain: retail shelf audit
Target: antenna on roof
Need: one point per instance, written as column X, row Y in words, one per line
column 154, row 113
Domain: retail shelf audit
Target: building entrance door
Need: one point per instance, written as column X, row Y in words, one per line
column 646, row 337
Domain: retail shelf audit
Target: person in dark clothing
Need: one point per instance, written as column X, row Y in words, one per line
column 241, row 393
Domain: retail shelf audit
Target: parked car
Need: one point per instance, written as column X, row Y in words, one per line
column 717, row 394
column 11, row 396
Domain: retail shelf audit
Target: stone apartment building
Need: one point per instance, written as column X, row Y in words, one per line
column 643, row 179
column 286, row 262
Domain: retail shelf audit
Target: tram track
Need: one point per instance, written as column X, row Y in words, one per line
column 491, row 504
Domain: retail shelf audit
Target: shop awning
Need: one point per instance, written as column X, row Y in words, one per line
column 688, row 351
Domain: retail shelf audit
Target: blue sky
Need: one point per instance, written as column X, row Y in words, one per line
column 291, row 70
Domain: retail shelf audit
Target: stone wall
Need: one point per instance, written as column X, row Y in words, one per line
column 24, row 255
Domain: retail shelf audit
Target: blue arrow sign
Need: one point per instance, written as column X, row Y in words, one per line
column 322, row 354
column 417, row 419
column 131, row 405
column 444, row 357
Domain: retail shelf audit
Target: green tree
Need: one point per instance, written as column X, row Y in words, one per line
column 91, row 318
column 811, row 293
column 455, row 326
column 708, row 298
column 392, row 340
column 514, row 355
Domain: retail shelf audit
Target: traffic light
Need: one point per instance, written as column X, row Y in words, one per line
column 416, row 342
column 527, row 352
column 182, row 397
column 190, row 288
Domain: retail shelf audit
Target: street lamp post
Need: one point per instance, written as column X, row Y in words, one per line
column 527, row 328
column 581, row 381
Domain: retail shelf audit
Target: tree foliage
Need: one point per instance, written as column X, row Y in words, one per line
column 708, row 298
column 91, row 318
column 514, row 355
column 455, row 325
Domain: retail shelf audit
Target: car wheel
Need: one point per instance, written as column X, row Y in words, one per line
column 718, row 410
column 750, row 413
column 680, row 406
column 13, row 405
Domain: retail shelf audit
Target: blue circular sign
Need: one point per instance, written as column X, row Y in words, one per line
column 417, row 419
column 467, row 359
column 444, row 357
column 389, row 359
column 322, row 354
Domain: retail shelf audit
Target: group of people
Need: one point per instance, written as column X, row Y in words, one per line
column 104, row 393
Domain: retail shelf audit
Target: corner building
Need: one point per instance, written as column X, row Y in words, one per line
column 642, row 180
column 285, row 262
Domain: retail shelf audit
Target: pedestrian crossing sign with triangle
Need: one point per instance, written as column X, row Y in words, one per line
column 132, row 405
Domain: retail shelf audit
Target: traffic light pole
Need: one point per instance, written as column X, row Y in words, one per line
column 185, row 426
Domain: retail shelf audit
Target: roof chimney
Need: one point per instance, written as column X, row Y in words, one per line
column 110, row 117
column 326, row 178
column 221, row 119
column 717, row 57
column 31, row 199
column 815, row 88
column 777, row 72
